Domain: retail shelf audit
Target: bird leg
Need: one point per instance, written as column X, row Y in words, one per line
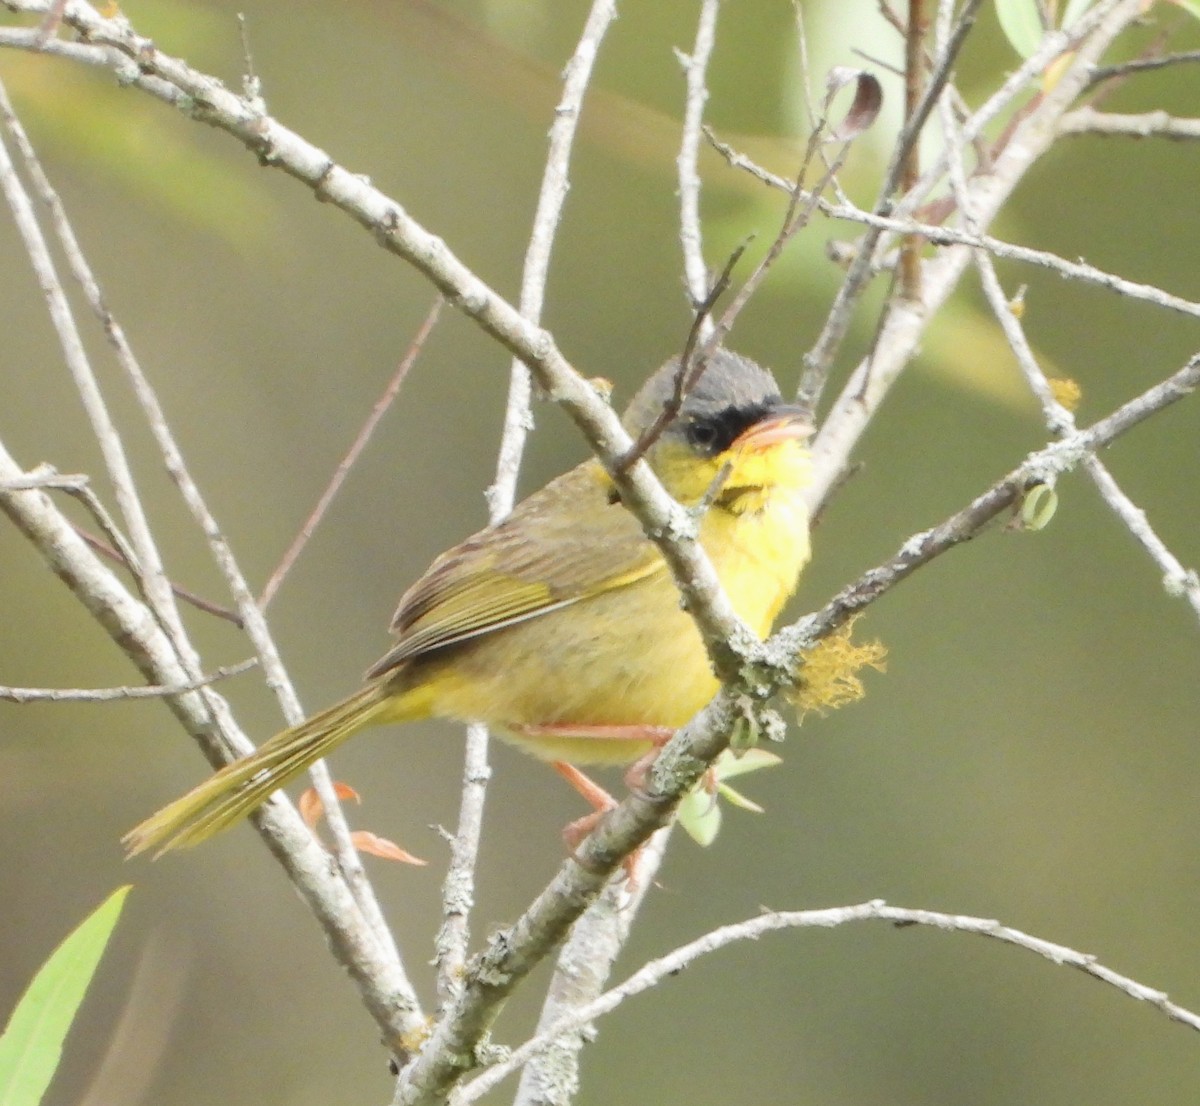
column 574, row 832
column 599, row 799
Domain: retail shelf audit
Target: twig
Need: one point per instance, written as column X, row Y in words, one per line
column 584, row 965
column 45, row 477
column 910, row 166
column 77, row 485
column 939, row 235
column 1177, row 580
column 145, row 562
column 379, row 409
column 801, row 204
column 1044, row 466
column 1142, row 65
column 52, row 19
column 511, row 954
column 1059, row 420
column 1149, row 124
column 190, row 597
column 458, row 888
column 691, row 364
column 695, row 68
column 142, row 639
column 659, row 970
column 819, row 360
column 114, row 694
column 402, row 1004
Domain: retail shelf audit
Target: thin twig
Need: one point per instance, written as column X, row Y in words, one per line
column 691, row 237
column 402, row 1004
column 512, row 953
column 819, row 360
column 459, row 885
column 190, row 597
column 910, row 167
column 1143, row 65
column 1059, row 420
column 347, row 463
column 691, row 364
column 1148, row 124
column 662, row 968
column 115, row 694
column 939, row 235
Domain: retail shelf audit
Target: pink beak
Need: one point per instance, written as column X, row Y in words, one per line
column 783, row 425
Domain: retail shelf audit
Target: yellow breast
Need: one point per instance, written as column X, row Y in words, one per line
column 627, row 656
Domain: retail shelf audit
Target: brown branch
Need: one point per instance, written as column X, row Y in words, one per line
column 910, row 166
column 379, row 409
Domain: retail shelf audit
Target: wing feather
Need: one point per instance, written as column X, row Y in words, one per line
column 540, row 559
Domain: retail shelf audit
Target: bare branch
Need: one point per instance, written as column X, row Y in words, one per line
column 190, row 597
column 1059, row 420
column 458, row 888
column 512, row 953
column 910, row 165
column 352, row 454
column 695, row 67
column 1149, row 124
column 1143, row 65
column 819, row 360
column 665, row 967
column 938, row 235
column 383, row 986
column 115, row 694
column 147, row 564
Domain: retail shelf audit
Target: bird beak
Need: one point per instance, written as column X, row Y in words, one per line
column 787, row 422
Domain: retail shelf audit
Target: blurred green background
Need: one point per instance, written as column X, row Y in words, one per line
column 1031, row 753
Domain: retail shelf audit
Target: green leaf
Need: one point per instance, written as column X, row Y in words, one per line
column 736, row 798
column 700, row 816
column 31, row 1047
column 1022, row 24
column 727, row 766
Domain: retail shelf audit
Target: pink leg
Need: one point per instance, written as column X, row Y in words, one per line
column 574, row 832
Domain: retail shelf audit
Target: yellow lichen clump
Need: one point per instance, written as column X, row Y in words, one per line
column 830, row 675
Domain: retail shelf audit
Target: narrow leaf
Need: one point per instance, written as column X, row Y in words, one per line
column 31, row 1047
column 1022, row 24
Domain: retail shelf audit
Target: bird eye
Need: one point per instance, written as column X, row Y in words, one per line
column 702, row 435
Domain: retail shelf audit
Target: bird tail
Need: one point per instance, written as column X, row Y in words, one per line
column 238, row 788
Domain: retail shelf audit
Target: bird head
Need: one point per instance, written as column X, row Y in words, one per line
column 733, row 421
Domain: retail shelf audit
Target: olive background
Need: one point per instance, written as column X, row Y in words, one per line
column 1031, row 753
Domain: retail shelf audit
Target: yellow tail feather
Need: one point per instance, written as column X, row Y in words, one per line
column 238, row 788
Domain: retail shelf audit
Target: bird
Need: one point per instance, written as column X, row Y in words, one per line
column 561, row 627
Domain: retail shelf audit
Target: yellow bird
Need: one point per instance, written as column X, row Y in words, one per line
column 561, row 627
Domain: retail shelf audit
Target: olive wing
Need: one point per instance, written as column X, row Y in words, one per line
column 566, row 542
